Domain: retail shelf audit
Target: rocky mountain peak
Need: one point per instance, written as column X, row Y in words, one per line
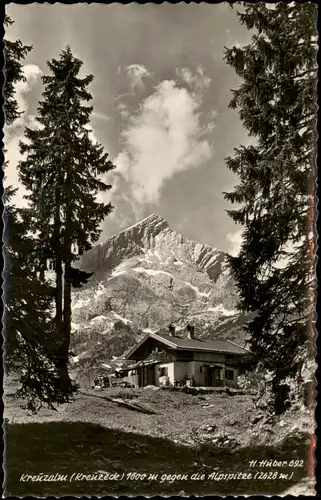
column 144, row 278
column 153, row 236
column 129, row 242
column 153, row 223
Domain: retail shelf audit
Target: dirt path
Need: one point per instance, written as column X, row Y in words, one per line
column 120, row 402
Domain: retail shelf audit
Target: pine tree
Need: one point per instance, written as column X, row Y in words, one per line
column 28, row 329
column 28, row 326
column 277, row 105
column 15, row 52
column 63, row 173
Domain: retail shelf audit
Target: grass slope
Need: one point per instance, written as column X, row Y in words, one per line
column 72, row 447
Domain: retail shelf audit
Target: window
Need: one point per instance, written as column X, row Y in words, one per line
column 201, row 369
column 163, row 371
column 229, row 374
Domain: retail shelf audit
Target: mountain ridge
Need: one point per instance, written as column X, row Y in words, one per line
column 144, row 278
column 147, row 234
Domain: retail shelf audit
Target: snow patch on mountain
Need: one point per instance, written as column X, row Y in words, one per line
column 221, row 309
column 76, row 359
column 145, row 259
column 149, row 330
column 151, row 272
column 121, row 318
column 201, row 294
column 81, row 303
column 100, row 290
column 119, row 270
column 101, row 317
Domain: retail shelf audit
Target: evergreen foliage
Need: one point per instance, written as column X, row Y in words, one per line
column 63, row 173
column 14, row 52
column 28, row 326
column 28, row 299
column 276, row 101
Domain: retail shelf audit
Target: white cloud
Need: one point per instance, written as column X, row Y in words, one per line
column 123, row 110
column 136, row 74
column 235, row 242
column 91, row 134
column 197, row 81
column 32, row 74
column 231, row 40
column 100, row 117
column 163, row 138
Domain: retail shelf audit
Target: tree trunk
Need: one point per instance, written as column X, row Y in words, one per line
column 67, row 258
column 62, row 355
column 58, row 265
column 59, row 295
column 63, row 342
column 67, row 306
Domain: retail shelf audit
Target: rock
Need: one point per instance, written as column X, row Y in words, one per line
column 210, row 428
column 306, row 487
column 296, row 438
column 234, row 422
column 257, row 418
column 307, row 392
column 270, row 420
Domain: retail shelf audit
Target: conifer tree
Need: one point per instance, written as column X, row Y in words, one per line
column 27, row 323
column 28, row 326
column 277, row 105
column 62, row 173
column 15, row 52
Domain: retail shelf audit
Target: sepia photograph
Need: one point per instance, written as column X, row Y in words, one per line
column 159, row 281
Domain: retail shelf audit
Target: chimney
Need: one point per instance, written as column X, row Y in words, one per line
column 171, row 330
column 190, row 332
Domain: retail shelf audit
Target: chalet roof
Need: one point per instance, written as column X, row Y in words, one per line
column 184, row 343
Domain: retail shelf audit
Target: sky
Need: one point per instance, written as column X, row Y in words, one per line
column 161, row 91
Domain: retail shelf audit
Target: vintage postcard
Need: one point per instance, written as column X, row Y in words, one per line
column 159, row 247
